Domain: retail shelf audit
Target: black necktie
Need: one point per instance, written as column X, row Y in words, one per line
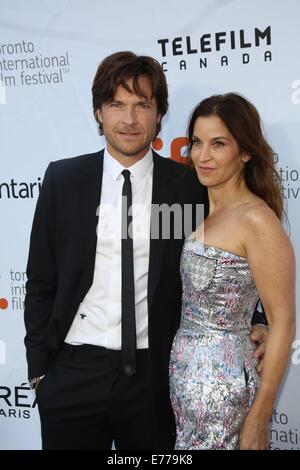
column 128, row 296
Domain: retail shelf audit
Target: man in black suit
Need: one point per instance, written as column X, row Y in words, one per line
column 102, row 306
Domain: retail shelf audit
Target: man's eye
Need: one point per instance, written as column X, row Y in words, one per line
column 114, row 104
column 196, row 143
column 144, row 106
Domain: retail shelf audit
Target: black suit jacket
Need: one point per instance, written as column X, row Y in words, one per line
column 62, row 257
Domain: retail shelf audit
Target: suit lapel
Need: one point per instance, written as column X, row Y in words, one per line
column 161, row 194
column 90, row 193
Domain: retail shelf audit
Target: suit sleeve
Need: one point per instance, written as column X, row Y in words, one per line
column 259, row 316
column 41, row 279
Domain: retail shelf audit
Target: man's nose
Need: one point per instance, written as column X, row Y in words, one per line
column 129, row 116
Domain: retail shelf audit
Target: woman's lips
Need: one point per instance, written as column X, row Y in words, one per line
column 205, row 169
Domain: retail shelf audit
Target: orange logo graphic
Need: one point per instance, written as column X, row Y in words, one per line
column 3, row 304
column 177, row 146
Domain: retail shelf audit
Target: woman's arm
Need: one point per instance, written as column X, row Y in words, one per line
column 272, row 263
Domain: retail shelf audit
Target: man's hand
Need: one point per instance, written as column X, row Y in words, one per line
column 259, row 334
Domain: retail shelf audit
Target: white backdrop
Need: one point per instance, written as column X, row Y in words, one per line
column 49, row 52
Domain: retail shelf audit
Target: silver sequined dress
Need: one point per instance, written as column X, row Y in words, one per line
column 213, row 380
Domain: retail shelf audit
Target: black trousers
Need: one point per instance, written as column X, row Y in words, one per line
column 86, row 402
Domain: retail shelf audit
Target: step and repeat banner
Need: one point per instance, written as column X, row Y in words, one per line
column 49, row 53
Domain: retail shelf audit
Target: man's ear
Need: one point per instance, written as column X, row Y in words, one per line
column 158, row 119
column 99, row 115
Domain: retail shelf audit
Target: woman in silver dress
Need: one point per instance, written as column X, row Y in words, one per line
column 241, row 253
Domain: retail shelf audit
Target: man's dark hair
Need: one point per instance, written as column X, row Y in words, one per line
column 117, row 69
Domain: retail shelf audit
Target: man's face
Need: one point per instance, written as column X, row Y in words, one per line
column 129, row 122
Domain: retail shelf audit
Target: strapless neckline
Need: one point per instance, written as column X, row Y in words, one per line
column 215, row 248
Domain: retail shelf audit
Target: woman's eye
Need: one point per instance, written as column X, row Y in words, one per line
column 218, row 144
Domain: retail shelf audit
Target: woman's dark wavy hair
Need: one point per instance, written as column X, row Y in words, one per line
column 117, row 69
column 243, row 121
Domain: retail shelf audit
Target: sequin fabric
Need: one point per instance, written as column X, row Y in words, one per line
column 213, row 380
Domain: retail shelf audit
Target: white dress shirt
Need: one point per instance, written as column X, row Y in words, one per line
column 98, row 319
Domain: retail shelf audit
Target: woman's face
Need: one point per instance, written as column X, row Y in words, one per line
column 215, row 153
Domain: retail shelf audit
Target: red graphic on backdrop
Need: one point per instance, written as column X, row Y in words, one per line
column 177, row 149
column 3, row 304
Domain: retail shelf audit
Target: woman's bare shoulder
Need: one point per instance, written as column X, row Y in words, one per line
column 261, row 225
column 257, row 215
